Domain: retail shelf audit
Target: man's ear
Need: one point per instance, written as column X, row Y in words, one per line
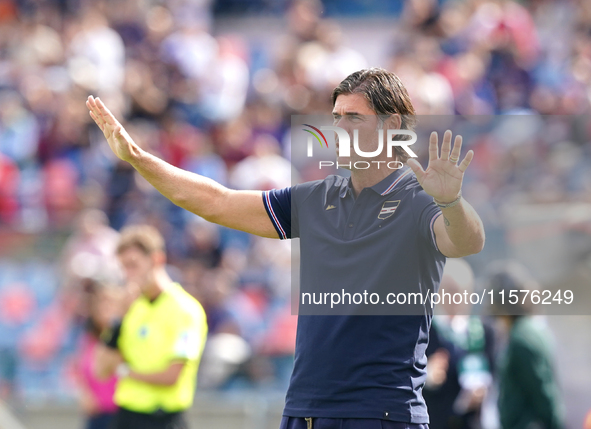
column 159, row 258
column 394, row 122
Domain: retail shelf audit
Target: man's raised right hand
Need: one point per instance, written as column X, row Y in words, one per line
column 120, row 142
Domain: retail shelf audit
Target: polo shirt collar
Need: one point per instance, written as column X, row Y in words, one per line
column 346, row 187
column 386, row 186
column 390, row 183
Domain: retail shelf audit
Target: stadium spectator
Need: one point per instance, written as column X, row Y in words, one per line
column 96, row 396
column 461, row 356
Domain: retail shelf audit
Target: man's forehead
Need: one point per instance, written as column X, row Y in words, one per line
column 352, row 104
column 132, row 253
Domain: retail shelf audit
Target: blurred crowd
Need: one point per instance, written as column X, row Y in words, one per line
column 220, row 105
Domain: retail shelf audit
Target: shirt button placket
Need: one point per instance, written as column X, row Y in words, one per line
column 349, row 233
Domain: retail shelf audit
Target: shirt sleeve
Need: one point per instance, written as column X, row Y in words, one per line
column 188, row 339
column 278, row 205
column 426, row 212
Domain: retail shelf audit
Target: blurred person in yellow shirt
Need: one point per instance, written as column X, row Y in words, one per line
column 156, row 348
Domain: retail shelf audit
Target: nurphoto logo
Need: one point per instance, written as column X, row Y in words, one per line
column 344, row 147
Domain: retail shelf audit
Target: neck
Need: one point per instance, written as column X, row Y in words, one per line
column 159, row 284
column 361, row 179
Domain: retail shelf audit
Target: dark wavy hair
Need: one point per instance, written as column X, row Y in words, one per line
column 385, row 94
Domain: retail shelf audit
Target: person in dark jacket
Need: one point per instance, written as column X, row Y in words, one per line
column 529, row 395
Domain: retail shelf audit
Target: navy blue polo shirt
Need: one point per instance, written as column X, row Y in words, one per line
column 349, row 365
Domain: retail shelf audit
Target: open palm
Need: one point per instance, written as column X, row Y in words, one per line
column 119, row 141
column 443, row 177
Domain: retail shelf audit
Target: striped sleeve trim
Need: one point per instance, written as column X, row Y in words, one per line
column 273, row 216
column 431, row 224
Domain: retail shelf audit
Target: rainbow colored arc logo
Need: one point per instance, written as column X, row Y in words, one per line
column 316, row 135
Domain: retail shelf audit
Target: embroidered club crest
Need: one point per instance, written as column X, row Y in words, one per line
column 143, row 331
column 388, row 209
